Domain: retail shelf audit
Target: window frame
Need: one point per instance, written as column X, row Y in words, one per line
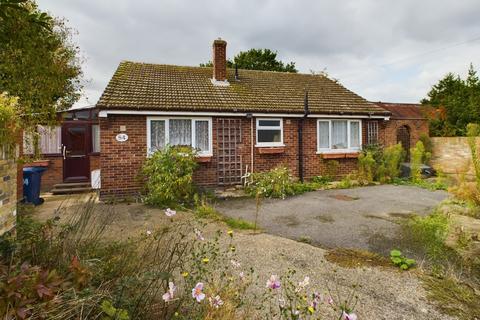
column 207, row 153
column 372, row 132
column 349, row 148
column 269, row 144
column 92, row 137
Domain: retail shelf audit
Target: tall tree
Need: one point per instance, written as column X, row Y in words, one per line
column 258, row 59
column 453, row 103
column 39, row 63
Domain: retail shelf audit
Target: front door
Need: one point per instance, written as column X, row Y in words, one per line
column 76, row 163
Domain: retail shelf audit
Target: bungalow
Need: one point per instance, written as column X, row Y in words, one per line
column 239, row 121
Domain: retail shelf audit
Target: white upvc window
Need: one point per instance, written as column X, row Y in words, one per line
column 269, row 132
column 194, row 132
column 339, row 135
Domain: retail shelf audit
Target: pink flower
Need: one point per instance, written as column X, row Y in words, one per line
column 198, row 234
column 197, row 292
column 349, row 316
column 329, row 300
column 215, row 302
column 168, row 296
column 273, row 282
column 170, row 213
column 242, row 275
column 316, row 300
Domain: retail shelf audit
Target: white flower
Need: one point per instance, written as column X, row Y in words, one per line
column 197, row 292
column 170, row 213
column 215, row 302
column 168, row 296
column 149, row 232
column 235, row 264
column 198, row 234
column 303, row 284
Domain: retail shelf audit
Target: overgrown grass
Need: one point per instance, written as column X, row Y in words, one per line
column 239, row 223
column 453, row 297
column 204, row 210
column 438, row 184
column 428, row 234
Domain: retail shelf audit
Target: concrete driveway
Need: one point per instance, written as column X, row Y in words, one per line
column 351, row 218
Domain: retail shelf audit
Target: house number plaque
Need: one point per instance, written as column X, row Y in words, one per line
column 121, row 137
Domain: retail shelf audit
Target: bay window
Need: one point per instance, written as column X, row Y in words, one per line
column 194, row 132
column 339, row 135
column 269, row 132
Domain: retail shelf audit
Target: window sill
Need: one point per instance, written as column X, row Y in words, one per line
column 271, row 150
column 204, row 159
column 39, row 163
column 339, row 155
column 269, row 145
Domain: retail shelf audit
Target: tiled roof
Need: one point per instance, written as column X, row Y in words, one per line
column 175, row 88
column 403, row 110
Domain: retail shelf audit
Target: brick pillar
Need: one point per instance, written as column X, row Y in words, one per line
column 219, row 60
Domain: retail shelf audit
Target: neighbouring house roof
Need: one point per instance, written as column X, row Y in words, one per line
column 142, row 86
column 403, row 111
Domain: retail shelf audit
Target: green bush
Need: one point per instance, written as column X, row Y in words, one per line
column 430, row 233
column 276, row 183
column 419, row 156
column 390, row 166
column 168, row 176
column 366, row 167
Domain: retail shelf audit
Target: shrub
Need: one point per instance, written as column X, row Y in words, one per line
column 390, row 166
column 168, row 176
column 276, row 183
column 419, row 156
column 366, row 167
column 427, row 143
column 464, row 190
column 430, row 233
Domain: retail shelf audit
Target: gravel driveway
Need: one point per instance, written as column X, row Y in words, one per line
column 350, row 218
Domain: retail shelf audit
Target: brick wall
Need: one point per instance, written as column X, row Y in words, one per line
column 8, row 195
column 121, row 161
column 452, row 155
column 388, row 130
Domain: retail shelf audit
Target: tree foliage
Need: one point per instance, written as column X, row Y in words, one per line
column 258, row 59
column 39, row 64
column 453, row 103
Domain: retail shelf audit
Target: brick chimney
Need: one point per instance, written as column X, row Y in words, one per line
column 220, row 61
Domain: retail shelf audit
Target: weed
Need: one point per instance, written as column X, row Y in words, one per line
column 429, row 233
column 305, row 239
column 400, row 260
column 238, row 223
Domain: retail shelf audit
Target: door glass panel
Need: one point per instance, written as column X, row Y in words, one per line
column 77, row 141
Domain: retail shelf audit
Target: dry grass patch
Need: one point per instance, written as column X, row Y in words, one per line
column 453, row 298
column 353, row 258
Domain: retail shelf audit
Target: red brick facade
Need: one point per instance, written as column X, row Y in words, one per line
column 121, row 161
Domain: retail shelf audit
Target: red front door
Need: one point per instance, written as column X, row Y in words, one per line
column 76, row 162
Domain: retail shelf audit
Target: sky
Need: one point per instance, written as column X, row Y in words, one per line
column 384, row 50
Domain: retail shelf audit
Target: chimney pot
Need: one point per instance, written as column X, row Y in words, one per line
column 219, row 60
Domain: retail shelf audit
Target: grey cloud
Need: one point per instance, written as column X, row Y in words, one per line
column 353, row 39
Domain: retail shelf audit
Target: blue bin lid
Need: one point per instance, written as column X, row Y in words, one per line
column 34, row 169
